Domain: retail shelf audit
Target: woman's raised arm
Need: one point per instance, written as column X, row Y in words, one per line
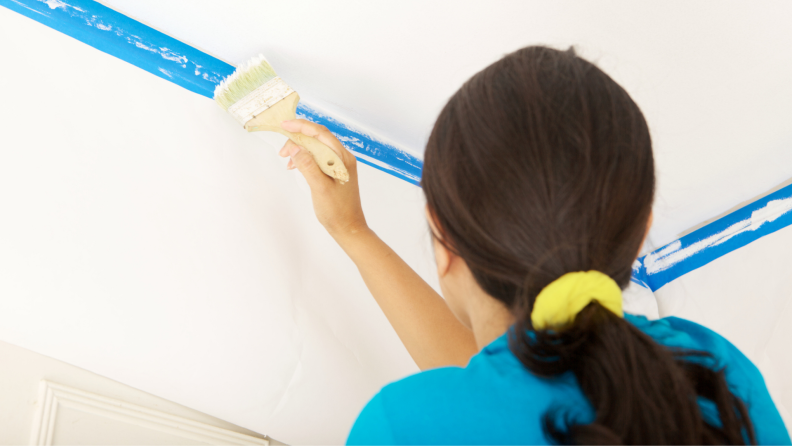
column 433, row 336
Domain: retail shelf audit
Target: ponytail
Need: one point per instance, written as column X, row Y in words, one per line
column 641, row 391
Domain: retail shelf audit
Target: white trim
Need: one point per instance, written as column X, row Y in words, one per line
column 53, row 396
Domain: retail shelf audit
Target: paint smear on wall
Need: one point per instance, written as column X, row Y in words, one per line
column 714, row 240
column 674, row 253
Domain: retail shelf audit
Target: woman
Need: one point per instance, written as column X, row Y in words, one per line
column 539, row 180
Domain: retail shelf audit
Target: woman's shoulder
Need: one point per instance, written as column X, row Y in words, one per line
column 427, row 393
column 405, row 408
column 494, row 372
column 450, row 405
column 438, row 378
column 681, row 333
column 743, row 377
column 492, row 400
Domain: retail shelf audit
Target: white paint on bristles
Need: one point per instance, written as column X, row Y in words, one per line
column 247, row 78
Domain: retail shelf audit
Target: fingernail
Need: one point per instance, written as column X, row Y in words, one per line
column 293, row 150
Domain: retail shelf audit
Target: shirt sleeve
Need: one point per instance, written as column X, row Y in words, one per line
column 372, row 426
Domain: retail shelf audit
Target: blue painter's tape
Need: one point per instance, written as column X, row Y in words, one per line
column 368, row 150
column 739, row 228
column 129, row 40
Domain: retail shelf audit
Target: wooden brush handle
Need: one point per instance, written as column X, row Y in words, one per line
column 329, row 161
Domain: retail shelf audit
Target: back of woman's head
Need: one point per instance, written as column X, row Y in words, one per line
column 541, row 165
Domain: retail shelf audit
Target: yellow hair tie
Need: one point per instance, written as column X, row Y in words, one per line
column 558, row 303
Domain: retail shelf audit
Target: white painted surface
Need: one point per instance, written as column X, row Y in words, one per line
column 711, row 76
column 21, row 377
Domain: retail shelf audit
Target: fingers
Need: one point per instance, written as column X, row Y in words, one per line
column 304, row 162
column 321, row 133
column 284, row 151
column 311, row 129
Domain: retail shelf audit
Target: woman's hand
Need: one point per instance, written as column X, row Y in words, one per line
column 337, row 206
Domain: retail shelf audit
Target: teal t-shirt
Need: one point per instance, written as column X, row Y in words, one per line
column 495, row 400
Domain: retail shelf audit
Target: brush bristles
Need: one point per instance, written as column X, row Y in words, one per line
column 247, row 77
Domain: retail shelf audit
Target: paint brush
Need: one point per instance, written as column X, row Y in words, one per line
column 260, row 100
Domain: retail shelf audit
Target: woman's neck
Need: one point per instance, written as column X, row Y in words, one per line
column 489, row 320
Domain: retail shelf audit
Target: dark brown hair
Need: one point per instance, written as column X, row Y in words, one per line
column 542, row 165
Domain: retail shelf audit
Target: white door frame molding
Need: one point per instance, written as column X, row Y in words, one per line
column 53, row 396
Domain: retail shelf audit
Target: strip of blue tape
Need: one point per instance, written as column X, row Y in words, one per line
column 700, row 247
column 127, row 39
column 177, row 62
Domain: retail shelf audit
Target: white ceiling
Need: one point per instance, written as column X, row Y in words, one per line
column 712, row 77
